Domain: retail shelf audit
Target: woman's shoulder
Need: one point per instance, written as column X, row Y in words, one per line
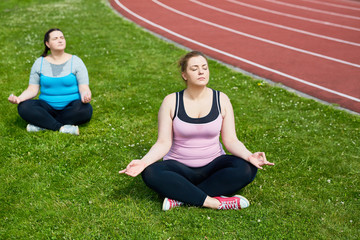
column 224, row 101
column 170, row 101
column 168, row 104
column 37, row 63
column 77, row 60
column 170, row 98
column 38, row 60
column 223, row 95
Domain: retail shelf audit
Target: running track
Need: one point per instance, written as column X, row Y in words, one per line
column 312, row 46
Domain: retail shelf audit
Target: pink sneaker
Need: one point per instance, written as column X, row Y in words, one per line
column 234, row 202
column 169, row 204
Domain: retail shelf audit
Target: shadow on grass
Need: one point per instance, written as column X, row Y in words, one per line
column 19, row 122
column 135, row 188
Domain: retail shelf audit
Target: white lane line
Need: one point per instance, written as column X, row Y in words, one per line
column 351, row 1
column 234, row 56
column 332, row 5
column 312, row 9
column 255, row 37
column 294, row 16
column 274, row 24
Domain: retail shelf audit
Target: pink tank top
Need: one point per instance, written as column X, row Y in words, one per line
column 196, row 140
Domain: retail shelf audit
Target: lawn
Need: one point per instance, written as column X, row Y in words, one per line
column 59, row 186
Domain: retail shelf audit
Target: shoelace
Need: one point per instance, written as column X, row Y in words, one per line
column 174, row 203
column 229, row 204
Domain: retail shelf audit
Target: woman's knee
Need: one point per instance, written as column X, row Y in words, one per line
column 26, row 109
column 149, row 172
column 89, row 110
column 76, row 113
column 247, row 170
column 157, row 172
column 151, row 175
column 23, row 106
column 85, row 110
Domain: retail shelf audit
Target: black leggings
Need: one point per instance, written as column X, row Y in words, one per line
column 225, row 175
column 41, row 114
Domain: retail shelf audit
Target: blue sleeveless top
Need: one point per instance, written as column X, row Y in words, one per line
column 58, row 92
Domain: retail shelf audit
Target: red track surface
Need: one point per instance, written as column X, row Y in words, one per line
column 312, row 46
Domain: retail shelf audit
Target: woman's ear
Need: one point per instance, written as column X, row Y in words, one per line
column 183, row 75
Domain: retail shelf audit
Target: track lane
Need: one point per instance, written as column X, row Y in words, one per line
column 181, row 35
column 323, row 9
column 295, row 16
column 317, row 28
column 344, row 20
column 335, row 4
column 231, row 12
column 341, row 53
column 265, row 54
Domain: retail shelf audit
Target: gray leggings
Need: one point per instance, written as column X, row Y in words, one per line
column 225, row 175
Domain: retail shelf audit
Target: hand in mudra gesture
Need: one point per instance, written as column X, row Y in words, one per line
column 134, row 168
column 258, row 159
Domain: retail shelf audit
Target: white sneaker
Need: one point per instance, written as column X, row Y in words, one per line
column 169, row 204
column 71, row 129
column 33, row 128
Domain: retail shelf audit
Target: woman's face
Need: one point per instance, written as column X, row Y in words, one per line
column 197, row 72
column 56, row 41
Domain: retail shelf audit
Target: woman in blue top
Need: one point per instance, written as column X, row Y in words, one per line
column 62, row 78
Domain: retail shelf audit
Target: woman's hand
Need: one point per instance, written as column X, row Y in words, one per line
column 86, row 97
column 29, row 93
column 134, row 168
column 258, row 159
column 85, row 93
column 14, row 99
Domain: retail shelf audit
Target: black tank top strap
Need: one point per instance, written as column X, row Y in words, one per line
column 218, row 101
column 176, row 105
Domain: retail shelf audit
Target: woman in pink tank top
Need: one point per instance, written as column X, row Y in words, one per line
column 195, row 169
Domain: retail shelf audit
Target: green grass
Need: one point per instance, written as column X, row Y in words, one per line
column 56, row 186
